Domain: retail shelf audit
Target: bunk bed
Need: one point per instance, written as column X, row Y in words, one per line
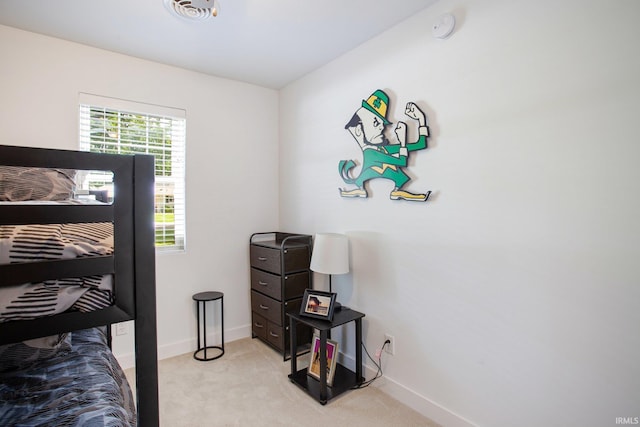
column 114, row 278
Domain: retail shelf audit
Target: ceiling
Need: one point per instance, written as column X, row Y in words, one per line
column 270, row 43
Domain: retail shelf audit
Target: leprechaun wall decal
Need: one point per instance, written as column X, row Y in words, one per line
column 380, row 157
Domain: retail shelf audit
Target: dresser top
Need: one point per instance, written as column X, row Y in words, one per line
column 274, row 240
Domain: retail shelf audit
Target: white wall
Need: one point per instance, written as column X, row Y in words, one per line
column 232, row 147
column 513, row 293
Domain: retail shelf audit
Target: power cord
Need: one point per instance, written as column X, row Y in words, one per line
column 378, row 365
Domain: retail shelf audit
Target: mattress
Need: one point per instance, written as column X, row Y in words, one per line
column 82, row 385
column 42, row 242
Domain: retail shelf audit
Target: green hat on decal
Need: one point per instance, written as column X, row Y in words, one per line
column 378, row 103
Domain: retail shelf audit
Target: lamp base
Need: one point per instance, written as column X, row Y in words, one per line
column 337, row 306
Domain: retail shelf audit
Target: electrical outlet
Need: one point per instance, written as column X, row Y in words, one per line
column 391, row 347
column 122, row 329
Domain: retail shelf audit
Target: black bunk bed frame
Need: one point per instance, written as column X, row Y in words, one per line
column 132, row 263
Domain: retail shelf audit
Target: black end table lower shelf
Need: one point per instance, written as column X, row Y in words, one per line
column 344, row 378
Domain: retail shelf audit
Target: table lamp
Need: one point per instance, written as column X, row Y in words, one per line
column 330, row 256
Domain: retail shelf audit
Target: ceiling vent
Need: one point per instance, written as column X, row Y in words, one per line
column 193, row 10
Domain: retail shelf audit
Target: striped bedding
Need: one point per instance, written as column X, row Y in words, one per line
column 29, row 243
column 83, row 386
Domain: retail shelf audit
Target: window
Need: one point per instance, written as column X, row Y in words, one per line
column 115, row 126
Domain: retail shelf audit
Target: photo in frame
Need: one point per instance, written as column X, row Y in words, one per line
column 314, row 362
column 318, row 304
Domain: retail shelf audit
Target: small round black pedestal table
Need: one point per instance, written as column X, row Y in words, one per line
column 201, row 299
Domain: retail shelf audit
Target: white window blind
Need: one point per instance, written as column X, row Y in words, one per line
column 109, row 125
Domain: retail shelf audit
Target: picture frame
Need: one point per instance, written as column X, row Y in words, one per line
column 314, row 362
column 318, row 304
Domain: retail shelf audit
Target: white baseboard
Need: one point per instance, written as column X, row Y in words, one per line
column 166, row 351
column 415, row 401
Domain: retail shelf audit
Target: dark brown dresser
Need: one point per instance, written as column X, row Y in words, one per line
column 279, row 275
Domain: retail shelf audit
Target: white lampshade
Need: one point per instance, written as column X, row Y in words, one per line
column 330, row 254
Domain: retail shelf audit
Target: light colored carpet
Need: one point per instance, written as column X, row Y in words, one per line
column 248, row 386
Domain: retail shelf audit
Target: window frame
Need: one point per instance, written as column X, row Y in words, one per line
column 151, row 114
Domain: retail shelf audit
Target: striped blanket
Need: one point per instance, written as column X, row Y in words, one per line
column 29, row 243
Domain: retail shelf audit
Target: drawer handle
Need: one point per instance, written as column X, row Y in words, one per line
column 264, row 307
column 261, row 283
column 261, row 258
column 258, row 325
column 274, row 335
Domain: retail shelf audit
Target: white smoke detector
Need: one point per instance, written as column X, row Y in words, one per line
column 444, row 26
column 193, row 10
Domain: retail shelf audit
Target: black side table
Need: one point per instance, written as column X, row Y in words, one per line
column 202, row 298
column 344, row 379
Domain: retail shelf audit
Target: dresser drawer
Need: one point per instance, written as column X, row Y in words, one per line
column 266, row 307
column 259, row 325
column 278, row 287
column 271, row 309
column 266, row 283
column 276, row 335
column 268, row 259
